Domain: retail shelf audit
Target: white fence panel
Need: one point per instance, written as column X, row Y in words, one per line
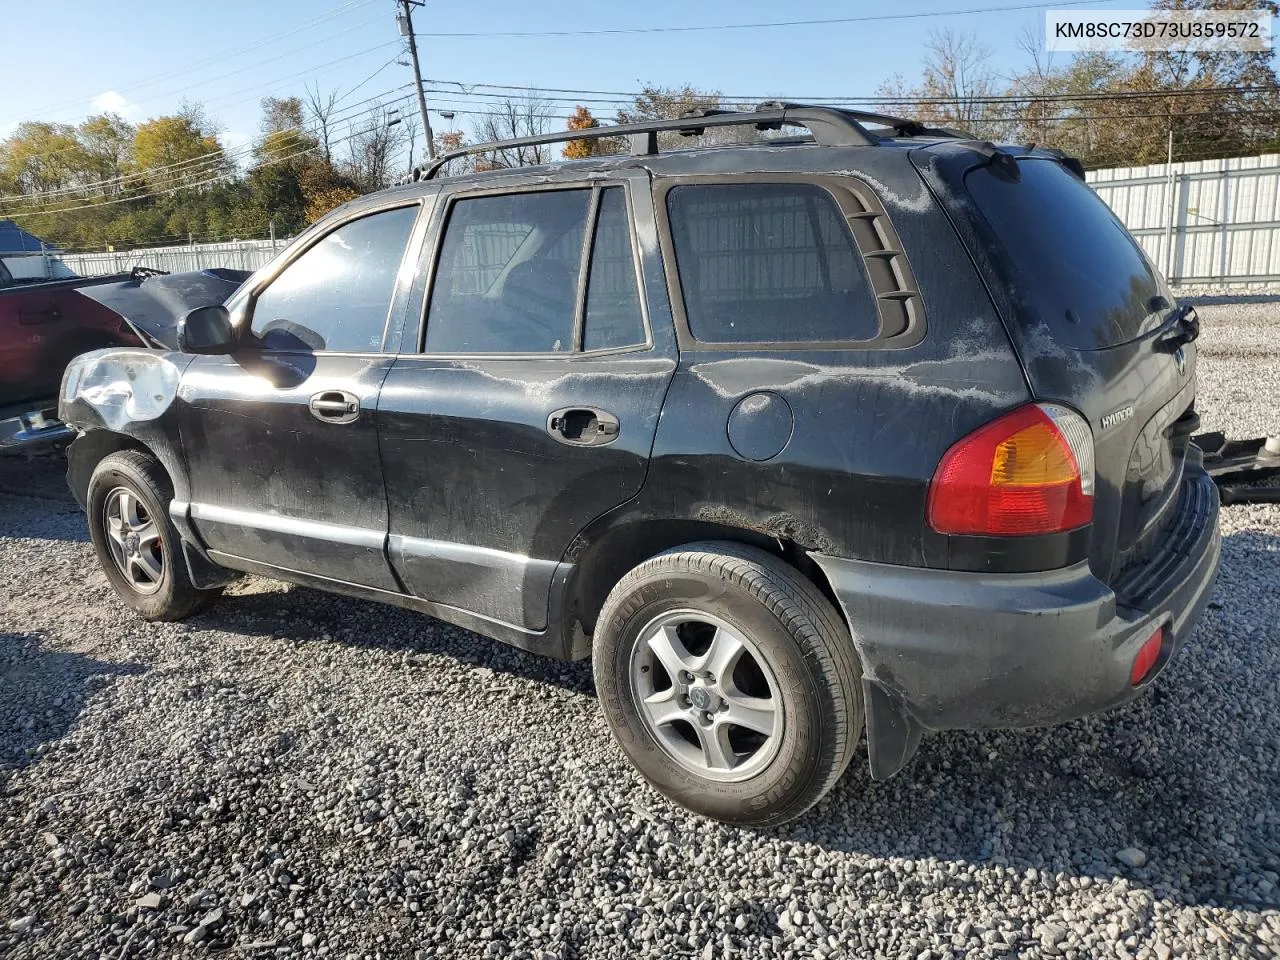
column 237, row 255
column 1202, row 222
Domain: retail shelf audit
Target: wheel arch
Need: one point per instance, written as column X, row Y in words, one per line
column 88, row 450
column 603, row 556
column 93, row 446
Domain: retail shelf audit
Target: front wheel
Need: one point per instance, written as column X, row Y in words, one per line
column 136, row 542
column 730, row 682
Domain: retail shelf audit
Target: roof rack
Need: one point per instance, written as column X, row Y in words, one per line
column 830, row 126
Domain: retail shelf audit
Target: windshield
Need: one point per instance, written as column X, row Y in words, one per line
column 1085, row 274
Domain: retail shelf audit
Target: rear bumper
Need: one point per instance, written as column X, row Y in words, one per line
column 32, row 427
column 973, row 650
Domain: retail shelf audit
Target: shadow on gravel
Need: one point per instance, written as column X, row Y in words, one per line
column 303, row 615
column 35, row 502
column 42, row 693
column 1062, row 801
column 1067, row 799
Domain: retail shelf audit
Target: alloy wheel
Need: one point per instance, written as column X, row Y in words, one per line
column 706, row 695
column 133, row 537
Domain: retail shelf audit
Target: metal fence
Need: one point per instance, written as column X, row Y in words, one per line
column 236, row 254
column 1204, row 222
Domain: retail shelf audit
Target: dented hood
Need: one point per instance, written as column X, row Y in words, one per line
column 153, row 305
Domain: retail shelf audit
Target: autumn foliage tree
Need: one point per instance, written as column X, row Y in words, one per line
column 581, row 149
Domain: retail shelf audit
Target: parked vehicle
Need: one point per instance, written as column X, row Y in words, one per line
column 44, row 322
column 886, row 429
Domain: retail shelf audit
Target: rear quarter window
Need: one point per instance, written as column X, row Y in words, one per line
column 769, row 263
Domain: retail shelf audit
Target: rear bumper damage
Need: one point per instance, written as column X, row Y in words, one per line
column 1242, row 469
column 950, row 650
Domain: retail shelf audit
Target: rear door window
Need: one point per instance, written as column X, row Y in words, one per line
column 507, row 277
column 769, row 263
column 1087, row 277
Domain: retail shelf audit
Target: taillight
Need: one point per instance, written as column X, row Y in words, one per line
column 1030, row 472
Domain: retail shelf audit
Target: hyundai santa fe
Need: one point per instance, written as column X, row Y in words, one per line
column 860, row 433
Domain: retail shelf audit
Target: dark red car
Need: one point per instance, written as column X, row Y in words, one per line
column 44, row 323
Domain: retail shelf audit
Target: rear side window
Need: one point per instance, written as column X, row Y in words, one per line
column 769, row 263
column 336, row 296
column 1088, row 278
column 507, row 277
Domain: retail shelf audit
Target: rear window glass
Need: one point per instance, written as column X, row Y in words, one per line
column 1088, row 279
column 768, row 263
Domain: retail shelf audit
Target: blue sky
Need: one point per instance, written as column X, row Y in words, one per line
column 142, row 58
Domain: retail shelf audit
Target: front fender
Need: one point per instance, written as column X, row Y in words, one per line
column 121, row 399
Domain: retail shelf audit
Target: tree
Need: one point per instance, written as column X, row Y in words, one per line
column 161, row 143
column 284, row 138
column 320, row 109
column 669, row 103
column 410, row 127
column 513, row 118
column 372, row 146
column 956, row 87
column 107, row 141
column 581, row 149
column 42, row 157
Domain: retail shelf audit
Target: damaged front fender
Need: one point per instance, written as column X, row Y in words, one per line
column 124, row 399
column 117, row 388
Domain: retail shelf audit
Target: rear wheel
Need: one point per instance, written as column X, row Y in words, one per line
column 136, row 542
column 730, row 681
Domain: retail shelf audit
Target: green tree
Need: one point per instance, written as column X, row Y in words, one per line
column 161, row 143
column 107, row 141
column 41, row 157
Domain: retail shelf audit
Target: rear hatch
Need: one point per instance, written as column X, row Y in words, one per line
column 1096, row 328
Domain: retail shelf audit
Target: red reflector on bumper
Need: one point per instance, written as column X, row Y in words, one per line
column 1147, row 656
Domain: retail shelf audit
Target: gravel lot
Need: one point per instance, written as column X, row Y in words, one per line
column 298, row 774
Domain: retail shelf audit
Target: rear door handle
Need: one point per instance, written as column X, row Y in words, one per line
column 335, row 406
column 583, row 426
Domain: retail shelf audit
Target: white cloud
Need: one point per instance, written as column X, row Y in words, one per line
column 110, row 101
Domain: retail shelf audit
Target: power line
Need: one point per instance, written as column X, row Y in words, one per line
column 227, row 98
column 212, row 158
column 268, row 158
column 628, row 96
column 825, row 21
column 219, row 58
column 224, row 98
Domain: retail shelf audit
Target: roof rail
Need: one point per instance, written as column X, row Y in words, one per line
column 830, row 126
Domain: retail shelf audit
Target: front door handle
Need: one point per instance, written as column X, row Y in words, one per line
column 47, row 314
column 583, row 426
column 335, row 406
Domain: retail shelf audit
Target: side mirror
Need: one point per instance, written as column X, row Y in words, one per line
column 207, row 330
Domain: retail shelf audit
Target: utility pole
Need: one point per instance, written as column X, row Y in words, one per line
column 406, row 28
column 1170, row 227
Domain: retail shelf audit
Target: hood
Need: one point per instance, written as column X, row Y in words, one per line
column 153, row 305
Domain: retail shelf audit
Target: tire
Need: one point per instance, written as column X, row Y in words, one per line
column 141, row 557
column 714, row 599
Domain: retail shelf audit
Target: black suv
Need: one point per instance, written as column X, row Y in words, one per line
column 880, row 428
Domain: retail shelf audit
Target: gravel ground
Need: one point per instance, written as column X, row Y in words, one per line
column 298, row 774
